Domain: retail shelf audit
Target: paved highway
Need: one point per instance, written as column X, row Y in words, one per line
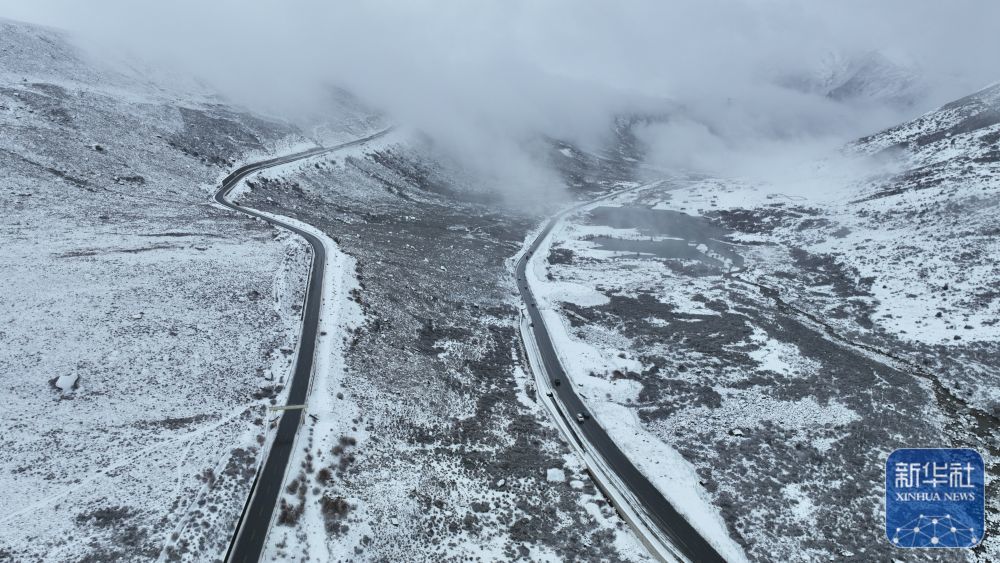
column 251, row 530
column 685, row 539
column 247, row 543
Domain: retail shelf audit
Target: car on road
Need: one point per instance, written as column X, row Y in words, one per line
column 579, row 417
column 556, row 382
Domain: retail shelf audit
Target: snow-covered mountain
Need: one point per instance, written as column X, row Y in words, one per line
column 142, row 329
column 967, row 127
column 872, row 78
column 755, row 348
column 145, row 332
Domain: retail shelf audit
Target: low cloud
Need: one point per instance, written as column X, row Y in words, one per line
column 741, row 80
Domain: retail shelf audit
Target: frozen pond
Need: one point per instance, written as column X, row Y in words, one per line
column 692, row 238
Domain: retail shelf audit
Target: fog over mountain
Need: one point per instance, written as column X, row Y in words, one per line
column 443, row 280
column 491, row 73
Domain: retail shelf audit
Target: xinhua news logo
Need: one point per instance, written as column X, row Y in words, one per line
column 935, row 498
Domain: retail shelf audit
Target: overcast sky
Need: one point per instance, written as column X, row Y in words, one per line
column 478, row 71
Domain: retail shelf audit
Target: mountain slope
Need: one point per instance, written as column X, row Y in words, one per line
column 143, row 331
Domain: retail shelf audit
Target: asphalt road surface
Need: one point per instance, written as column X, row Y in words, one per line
column 251, row 530
column 685, row 538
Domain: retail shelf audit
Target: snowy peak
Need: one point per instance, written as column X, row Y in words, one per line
column 875, row 77
column 870, row 78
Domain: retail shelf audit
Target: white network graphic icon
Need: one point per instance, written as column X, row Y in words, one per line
column 935, row 531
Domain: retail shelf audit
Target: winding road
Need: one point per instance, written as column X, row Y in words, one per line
column 649, row 503
column 248, row 539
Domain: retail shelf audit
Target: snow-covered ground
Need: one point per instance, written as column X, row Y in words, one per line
column 147, row 331
column 447, row 453
column 144, row 331
column 327, row 429
column 582, row 359
column 745, row 342
column 757, row 349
